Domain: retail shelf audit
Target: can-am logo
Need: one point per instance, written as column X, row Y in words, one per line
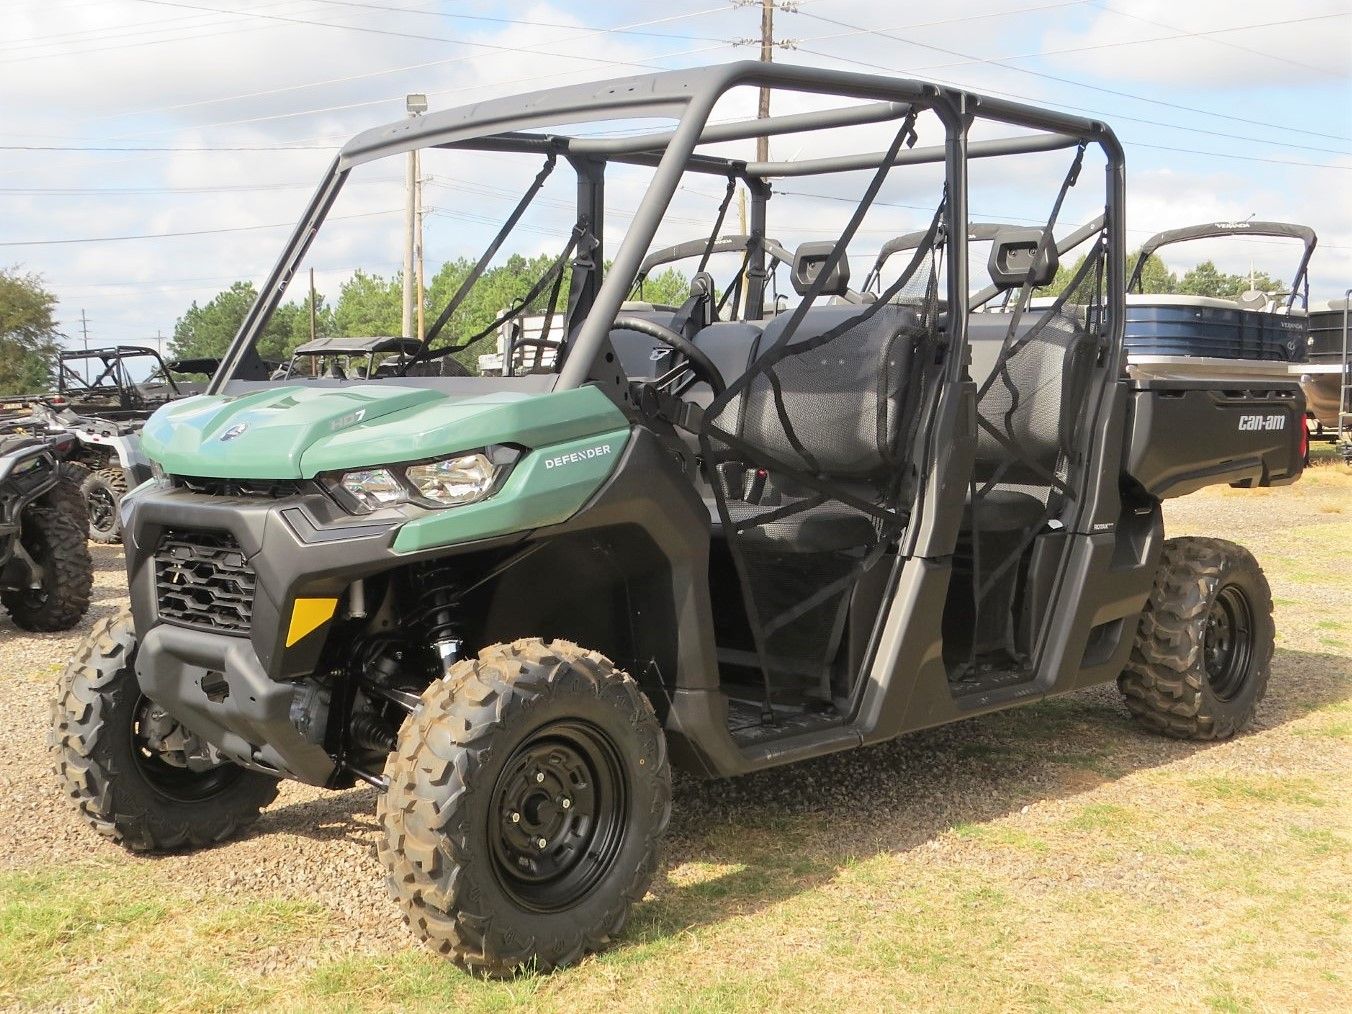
column 577, row 457
column 234, row 431
column 1264, row 423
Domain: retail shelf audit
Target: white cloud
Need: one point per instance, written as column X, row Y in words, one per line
column 1191, row 51
column 119, row 71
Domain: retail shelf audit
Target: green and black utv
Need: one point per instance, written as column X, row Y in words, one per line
column 724, row 536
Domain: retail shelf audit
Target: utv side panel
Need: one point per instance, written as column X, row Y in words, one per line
column 1184, row 435
column 545, row 487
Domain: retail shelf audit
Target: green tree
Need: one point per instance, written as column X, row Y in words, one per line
column 1207, row 280
column 499, row 289
column 290, row 326
column 1155, row 275
column 208, row 330
column 669, row 288
column 1156, row 278
column 28, row 334
column 368, row 306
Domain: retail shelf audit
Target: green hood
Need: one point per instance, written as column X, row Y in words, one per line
column 297, row 432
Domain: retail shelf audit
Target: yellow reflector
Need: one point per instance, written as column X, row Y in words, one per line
column 307, row 616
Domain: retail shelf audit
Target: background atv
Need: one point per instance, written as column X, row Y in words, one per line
column 718, row 537
column 45, row 570
column 101, row 404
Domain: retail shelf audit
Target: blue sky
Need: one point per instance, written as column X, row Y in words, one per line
column 1227, row 109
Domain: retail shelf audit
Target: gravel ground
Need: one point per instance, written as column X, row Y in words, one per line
column 319, row 846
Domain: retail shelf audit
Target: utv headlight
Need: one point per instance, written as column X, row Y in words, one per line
column 452, row 482
column 444, row 482
column 373, row 488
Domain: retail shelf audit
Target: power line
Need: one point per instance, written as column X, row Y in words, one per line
column 1000, row 62
column 415, row 66
column 192, row 191
column 233, row 147
column 1219, row 42
column 193, row 232
column 511, row 21
column 1114, row 117
column 416, row 36
column 189, row 34
column 1100, row 115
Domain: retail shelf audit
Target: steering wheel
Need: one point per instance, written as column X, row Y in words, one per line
column 695, row 358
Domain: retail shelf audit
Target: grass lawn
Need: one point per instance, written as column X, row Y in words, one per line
column 1049, row 858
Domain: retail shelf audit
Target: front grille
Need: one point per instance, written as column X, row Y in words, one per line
column 265, row 489
column 203, row 580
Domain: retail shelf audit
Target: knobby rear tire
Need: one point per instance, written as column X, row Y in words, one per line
column 1174, row 683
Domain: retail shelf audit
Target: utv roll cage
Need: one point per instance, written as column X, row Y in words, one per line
column 1300, row 282
column 110, row 392
column 689, row 96
column 319, row 349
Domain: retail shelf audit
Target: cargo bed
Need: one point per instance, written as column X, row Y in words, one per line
column 1183, row 434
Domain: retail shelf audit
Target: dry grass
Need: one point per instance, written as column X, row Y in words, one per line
column 1051, row 857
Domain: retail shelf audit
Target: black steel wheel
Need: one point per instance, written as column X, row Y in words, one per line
column 1227, row 642
column 137, row 776
column 528, row 795
column 561, row 805
column 103, row 491
column 174, row 762
column 1203, row 650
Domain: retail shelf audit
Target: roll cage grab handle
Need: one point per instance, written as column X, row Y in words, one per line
column 690, row 96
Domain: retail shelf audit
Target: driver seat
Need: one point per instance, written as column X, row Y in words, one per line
column 842, row 405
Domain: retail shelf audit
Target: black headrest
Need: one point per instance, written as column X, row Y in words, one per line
column 808, row 261
column 1012, row 254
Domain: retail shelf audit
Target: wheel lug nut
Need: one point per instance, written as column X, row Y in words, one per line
column 539, row 776
column 541, row 842
column 516, row 818
column 566, row 803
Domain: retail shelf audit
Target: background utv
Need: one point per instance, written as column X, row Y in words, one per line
column 723, row 535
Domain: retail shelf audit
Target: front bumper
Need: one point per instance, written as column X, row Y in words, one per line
column 236, row 688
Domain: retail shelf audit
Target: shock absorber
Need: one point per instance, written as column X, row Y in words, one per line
column 438, row 599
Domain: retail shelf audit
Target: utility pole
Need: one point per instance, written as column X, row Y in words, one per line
column 418, row 242
column 767, row 54
column 312, row 304
column 768, row 44
column 416, row 104
column 84, row 328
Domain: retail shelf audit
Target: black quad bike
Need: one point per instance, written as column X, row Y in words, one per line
column 723, row 536
column 45, row 570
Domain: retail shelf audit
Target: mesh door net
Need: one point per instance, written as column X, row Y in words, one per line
column 803, row 453
column 1032, row 388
